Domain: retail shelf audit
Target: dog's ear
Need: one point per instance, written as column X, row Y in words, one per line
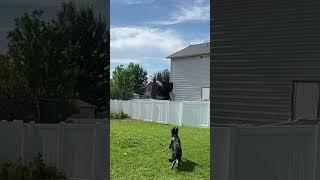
column 174, row 131
column 177, row 129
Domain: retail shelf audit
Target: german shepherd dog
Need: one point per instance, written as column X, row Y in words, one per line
column 175, row 145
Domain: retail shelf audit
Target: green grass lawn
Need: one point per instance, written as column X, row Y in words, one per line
column 140, row 150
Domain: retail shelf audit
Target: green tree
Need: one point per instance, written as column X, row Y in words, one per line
column 139, row 77
column 44, row 57
column 89, row 34
column 122, row 83
column 15, row 96
column 67, row 57
column 114, row 91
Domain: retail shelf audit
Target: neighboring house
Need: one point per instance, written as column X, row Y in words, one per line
column 147, row 93
column 83, row 109
column 265, row 61
column 154, row 88
column 190, row 72
column 136, row 96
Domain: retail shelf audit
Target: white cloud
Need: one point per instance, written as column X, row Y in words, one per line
column 189, row 11
column 143, row 42
column 124, row 61
column 146, row 46
column 198, row 41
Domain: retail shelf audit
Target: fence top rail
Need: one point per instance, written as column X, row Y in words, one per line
column 162, row 101
column 47, row 125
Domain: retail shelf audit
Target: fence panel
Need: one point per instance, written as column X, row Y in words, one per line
column 196, row 113
column 126, row 107
column 282, row 152
column 146, row 110
column 287, row 153
column 48, row 140
column 10, row 139
column 113, row 106
column 175, row 113
column 135, row 109
column 78, row 149
column 160, row 111
column 191, row 113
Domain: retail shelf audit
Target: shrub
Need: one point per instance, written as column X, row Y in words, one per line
column 120, row 115
column 123, row 115
column 112, row 115
column 34, row 170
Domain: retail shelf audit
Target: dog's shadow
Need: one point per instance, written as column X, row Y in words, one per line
column 187, row 165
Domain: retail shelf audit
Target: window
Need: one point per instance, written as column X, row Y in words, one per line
column 205, row 93
column 306, row 100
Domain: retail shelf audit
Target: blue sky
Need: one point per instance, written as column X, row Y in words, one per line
column 10, row 9
column 147, row 31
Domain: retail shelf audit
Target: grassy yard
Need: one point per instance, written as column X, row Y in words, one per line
column 140, row 150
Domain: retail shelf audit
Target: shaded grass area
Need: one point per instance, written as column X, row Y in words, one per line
column 140, row 150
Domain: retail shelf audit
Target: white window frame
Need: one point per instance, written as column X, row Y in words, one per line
column 208, row 93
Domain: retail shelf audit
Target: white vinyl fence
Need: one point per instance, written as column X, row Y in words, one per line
column 78, row 149
column 188, row 113
column 267, row 153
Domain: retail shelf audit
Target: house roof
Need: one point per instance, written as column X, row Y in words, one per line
column 192, row 50
column 80, row 103
column 148, row 85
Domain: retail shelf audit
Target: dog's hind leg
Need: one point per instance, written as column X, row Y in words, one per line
column 173, row 163
column 179, row 162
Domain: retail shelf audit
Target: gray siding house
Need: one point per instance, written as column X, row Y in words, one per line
column 190, row 72
column 265, row 62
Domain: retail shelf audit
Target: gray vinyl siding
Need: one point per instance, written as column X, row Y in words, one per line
column 258, row 49
column 189, row 75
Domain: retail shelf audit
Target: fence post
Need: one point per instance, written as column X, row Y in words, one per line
column 139, row 110
column 111, row 106
column 116, row 103
column 130, row 109
column 18, row 125
column 209, row 114
column 21, row 130
column 59, row 144
column 167, row 118
column 234, row 134
column 181, row 113
column 93, row 157
column 316, row 153
column 121, row 102
column 152, row 104
column 119, row 107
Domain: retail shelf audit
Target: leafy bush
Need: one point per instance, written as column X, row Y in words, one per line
column 123, row 115
column 120, row 115
column 34, row 170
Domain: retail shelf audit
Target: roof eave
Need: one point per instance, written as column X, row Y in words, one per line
column 190, row 55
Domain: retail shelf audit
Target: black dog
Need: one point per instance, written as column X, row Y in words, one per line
column 175, row 145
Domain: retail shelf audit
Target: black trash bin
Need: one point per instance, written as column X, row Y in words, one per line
column 49, row 111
